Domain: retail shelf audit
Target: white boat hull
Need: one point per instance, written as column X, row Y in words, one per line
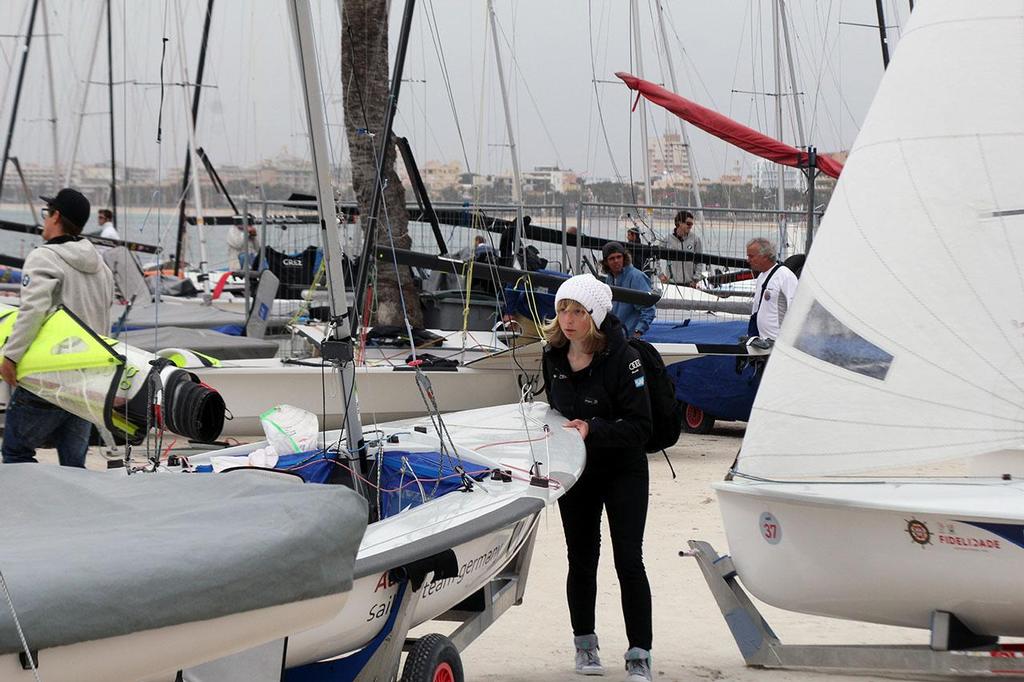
column 485, row 528
column 373, row 596
column 159, row 653
column 385, row 393
column 887, row 553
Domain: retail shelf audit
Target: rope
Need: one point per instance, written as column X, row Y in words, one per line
column 17, row 626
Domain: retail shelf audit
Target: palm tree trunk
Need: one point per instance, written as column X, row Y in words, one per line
column 364, row 71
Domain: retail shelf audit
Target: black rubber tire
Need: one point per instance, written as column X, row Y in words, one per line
column 696, row 420
column 428, row 658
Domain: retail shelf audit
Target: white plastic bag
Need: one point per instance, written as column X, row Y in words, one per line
column 290, row 429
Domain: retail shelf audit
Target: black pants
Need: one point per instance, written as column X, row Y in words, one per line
column 621, row 489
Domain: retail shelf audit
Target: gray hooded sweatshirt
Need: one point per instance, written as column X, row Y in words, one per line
column 71, row 273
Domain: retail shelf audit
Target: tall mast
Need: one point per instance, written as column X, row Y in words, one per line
column 200, row 69
column 883, row 35
column 53, row 97
column 517, row 181
column 77, row 136
column 800, row 139
column 780, row 173
column 110, row 101
column 690, row 161
column 17, row 92
column 302, row 27
column 638, row 57
column 197, row 195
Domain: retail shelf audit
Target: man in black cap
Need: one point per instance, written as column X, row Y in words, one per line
column 618, row 266
column 66, row 270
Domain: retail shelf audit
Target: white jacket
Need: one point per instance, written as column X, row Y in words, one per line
column 71, row 273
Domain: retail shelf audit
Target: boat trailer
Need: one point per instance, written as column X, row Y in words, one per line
column 953, row 649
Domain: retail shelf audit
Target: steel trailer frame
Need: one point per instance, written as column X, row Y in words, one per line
column 953, row 649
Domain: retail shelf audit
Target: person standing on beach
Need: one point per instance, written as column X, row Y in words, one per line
column 684, row 239
column 66, row 270
column 618, row 265
column 594, row 378
column 773, row 291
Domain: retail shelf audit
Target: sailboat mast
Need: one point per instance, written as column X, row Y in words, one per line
column 638, row 57
column 77, row 136
column 883, row 35
column 17, row 92
column 517, row 181
column 780, row 173
column 197, row 195
column 302, row 27
column 53, row 97
column 801, row 141
column 684, row 133
column 200, row 69
column 110, row 101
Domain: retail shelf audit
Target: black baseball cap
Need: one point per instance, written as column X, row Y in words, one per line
column 612, row 247
column 72, row 204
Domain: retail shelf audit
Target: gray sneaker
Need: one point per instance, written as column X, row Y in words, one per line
column 638, row 665
column 588, row 662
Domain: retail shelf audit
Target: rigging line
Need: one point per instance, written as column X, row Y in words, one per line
column 834, row 304
column 17, row 626
column 435, row 35
column 160, row 108
column 956, row 264
column 597, row 94
column 837, row 81
column 533, row 100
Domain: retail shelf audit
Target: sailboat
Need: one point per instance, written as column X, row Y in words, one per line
column 904, row 349
column 455, row 500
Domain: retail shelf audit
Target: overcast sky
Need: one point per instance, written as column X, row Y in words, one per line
column 553, row 52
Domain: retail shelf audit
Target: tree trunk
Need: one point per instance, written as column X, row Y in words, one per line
column 364, row 72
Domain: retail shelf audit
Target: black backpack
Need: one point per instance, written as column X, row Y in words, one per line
column 666, row 411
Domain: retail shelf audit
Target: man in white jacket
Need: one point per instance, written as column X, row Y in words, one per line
column 65, row 270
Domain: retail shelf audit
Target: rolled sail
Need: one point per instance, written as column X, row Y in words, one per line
column 113, row 385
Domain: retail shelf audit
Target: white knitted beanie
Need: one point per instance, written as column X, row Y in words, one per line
column 589, row 292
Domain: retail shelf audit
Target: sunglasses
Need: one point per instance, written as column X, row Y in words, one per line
column 46, row 212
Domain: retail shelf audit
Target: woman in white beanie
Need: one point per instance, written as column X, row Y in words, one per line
column 596, row 380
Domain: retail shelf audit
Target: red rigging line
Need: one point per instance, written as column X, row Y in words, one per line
column 727, row 129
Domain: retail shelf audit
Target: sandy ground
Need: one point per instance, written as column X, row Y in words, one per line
column 691, row 641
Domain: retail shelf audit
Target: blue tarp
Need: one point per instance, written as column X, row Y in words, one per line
column 710, row 383
column 407, row 477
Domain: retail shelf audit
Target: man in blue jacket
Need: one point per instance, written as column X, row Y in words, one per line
column 618, row 266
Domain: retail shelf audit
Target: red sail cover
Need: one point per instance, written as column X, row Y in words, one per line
column 727, row 129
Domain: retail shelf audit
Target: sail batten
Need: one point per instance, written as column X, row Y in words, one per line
column 905, row 344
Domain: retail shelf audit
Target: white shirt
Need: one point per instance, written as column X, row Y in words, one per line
column 771, row 304
column 109, row 231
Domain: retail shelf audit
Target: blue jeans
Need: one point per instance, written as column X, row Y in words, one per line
column 32, row 421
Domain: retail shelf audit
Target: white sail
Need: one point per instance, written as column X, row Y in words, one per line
column 906, row 340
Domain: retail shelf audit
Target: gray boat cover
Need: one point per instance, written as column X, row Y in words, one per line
column 88, row 555
column 206, row 341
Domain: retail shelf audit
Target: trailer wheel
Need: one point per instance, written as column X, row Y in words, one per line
column 696, row 420
column 433, row 659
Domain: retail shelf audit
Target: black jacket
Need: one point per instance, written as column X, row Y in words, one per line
column 610, row 394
